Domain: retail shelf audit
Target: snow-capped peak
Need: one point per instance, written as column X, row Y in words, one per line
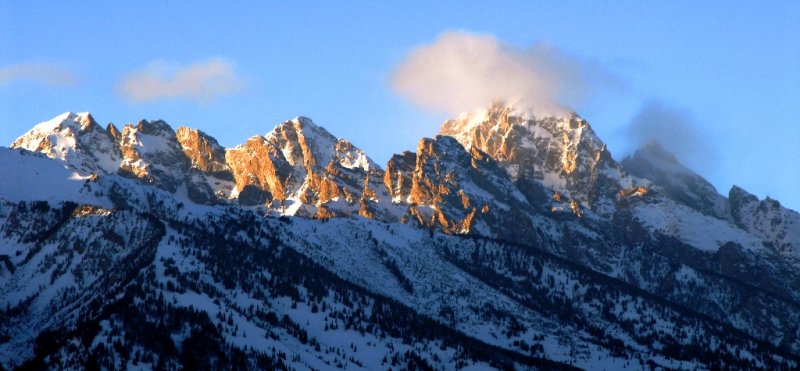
column 65, row 124
column 304, row 121
column 305, row 143
column 301, row 140
column 562, row 152
column 63, row 121
column 74, row 138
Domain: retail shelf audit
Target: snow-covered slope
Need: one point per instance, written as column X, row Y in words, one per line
column 699, row 230
column 298, row 293
column 29, row 176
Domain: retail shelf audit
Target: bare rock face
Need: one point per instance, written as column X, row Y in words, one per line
column 257, row 164
column 203, row 151
column 399, row 175
column 561, row 153
column 286, row 162
column 208, row 167
column 113, row 132
column 462, row 191
column 252, row 195
column 497, row 163
column 308, row 171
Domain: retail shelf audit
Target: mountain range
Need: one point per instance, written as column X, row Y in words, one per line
column 508, row 241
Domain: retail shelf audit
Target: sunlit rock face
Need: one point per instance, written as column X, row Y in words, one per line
column 205, row 154
column 399, row 175
column 561, row 153
column 257, row 168
column 307, row 171
column 208, row 167
column 463, row 191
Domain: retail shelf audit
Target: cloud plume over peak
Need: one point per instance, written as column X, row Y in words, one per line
column 676, row 129
column 460, row 72
column 198, row 82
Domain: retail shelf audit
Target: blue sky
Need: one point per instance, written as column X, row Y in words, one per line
column 729, row 71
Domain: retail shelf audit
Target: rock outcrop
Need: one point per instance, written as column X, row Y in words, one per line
column 204, row 152
column 462, row 191
column 399, row 175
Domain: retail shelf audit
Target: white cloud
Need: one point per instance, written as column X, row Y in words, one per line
column 42, row 73
column 199, row 82
column 461, row 72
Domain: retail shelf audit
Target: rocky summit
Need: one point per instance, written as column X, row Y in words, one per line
column 508, row 241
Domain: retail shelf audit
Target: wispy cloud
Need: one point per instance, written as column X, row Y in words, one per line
column 676, row 129
column 41, row 73
column 461, row 71
column 200, row 82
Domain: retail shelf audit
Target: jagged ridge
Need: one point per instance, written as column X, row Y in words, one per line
column 547, row 184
